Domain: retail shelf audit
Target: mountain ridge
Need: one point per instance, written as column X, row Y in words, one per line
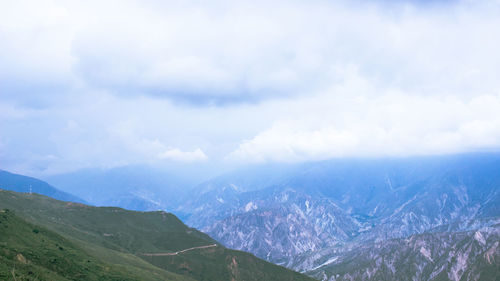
column 371, row 200
column 118, row 236
column 26, row 184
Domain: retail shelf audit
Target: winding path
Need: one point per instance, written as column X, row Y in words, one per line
column 178, row 252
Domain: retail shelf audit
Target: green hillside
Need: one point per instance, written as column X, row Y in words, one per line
column 114, row 239
column 31, row 252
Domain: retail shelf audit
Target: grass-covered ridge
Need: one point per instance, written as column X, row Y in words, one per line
column 115, row 239
column 31, row 252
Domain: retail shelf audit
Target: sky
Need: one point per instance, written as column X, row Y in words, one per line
column 226, row 83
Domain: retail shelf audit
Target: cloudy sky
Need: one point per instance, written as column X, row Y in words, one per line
column 110, row 83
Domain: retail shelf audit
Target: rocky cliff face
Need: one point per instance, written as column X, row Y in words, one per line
column 283, row 224
column 471, row 255
column 320, row 211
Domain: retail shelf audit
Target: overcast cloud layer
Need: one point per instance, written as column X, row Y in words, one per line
column 110, row 83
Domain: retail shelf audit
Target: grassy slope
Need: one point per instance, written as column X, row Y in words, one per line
column 223, row 264
column 115, row 228
column 30, row 252
column 119, row 236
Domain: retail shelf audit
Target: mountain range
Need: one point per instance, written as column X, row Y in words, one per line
column 414, row 218
column 311, row 213
column 140, row 188
column 20, row 183
column 46, row 239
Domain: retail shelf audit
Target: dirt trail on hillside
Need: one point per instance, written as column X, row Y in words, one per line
column 178, row 252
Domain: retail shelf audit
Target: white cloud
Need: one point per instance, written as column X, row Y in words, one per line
column 92, row 85
column 248, row 50
column 183, row 156
column 388, row 125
